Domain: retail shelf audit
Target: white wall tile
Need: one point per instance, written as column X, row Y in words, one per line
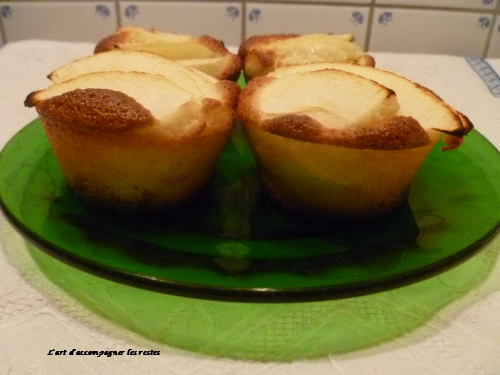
column 424, row 26
column 219, row 20
column 466, row 4
column 334, row 1
column 494, row 48
column 302, row 19
column 77, row 21
column 429, row 31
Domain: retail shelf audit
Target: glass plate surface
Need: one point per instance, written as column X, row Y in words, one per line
column 234, row 245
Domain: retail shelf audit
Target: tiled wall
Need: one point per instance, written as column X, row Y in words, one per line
column 459, row 27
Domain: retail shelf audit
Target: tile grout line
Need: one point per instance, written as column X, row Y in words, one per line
column 314, row 3
column 118, row 13
column 439, row 9
column 368, row 36
column 243, row 21
column 3, row 35
column 372, row 3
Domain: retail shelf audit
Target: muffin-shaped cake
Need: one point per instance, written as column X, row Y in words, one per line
column 132, row 141
column 262, row 54
column 342, row 141
column 201, row 53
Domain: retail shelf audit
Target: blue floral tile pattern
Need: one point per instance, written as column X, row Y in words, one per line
column 357, row 18
column 255, row 15
column 103, row 11
column 483, row 22
column 384, row 18
column 131, row 11
column 233, row 12
column 6, row 11
column 489, row 76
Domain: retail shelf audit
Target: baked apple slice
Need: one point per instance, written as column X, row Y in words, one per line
column 216, row 60
column 138, row 61
column 413, row 98
column 192, row 80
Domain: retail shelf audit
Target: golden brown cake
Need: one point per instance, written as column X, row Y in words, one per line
column 135, row 139
column 202, row 53
column 262, row 54
column 342, row 141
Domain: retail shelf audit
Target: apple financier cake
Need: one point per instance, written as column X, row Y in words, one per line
column 133, row 131
column 262, row 54
column 343, row 141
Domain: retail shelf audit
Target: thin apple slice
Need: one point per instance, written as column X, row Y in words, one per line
column 198, row 83
column 172, row 46
column 176, row 47
column 329, row 99
column 415, row 101
column 171, row 50
column 224, row 66
column 263, row 54
column 317, row 48
column 155, row 92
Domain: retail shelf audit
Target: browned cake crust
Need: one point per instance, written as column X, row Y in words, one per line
column 213, row 44
column 111, row 42
column 262, row 40
column 232, row 70
column 230, row 91
column 96, row 109
column 398, row 133
column 233, row 65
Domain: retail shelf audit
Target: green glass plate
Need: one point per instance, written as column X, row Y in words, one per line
column 234, row 245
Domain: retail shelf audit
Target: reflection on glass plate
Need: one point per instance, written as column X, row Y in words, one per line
column 235, row 245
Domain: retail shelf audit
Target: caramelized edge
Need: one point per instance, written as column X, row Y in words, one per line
column 96, row 110
column 112, row 41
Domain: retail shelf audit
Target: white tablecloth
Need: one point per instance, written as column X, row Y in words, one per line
column 445, row 325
